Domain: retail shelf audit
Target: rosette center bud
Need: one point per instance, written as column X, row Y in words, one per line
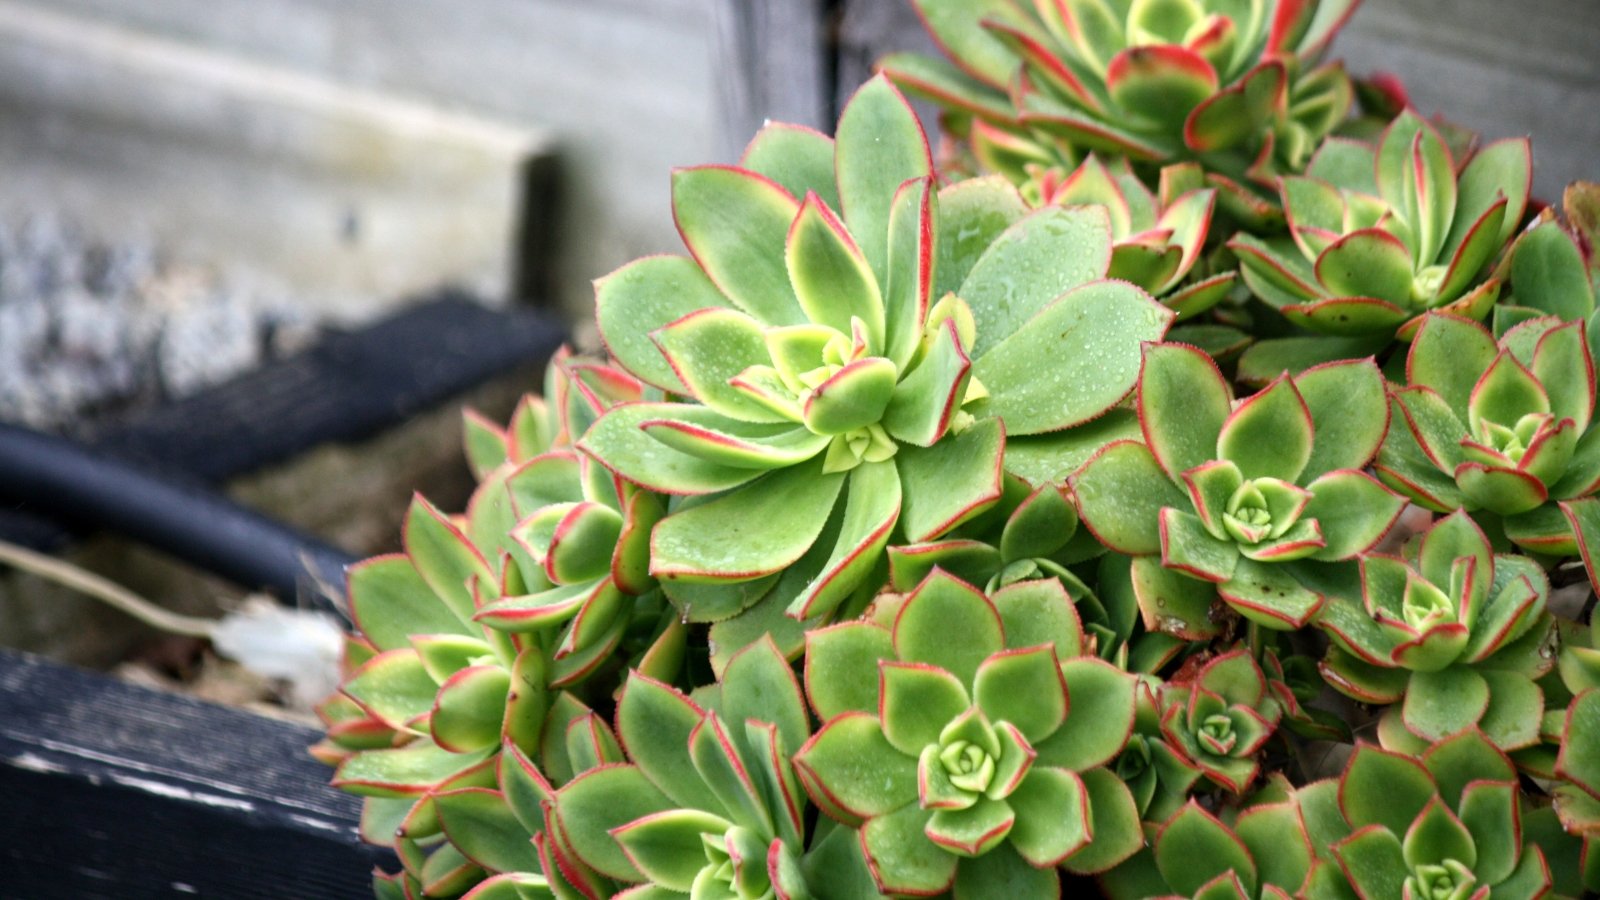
column 1449, row 880
column 1216, row 734
column 1424, row 606
column 735, row 869
column 969, row 766
column 1261, row 509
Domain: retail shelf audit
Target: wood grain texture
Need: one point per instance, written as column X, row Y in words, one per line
column 123, row 793
column 771, row 62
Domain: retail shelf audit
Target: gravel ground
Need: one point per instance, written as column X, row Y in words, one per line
column 91, row 328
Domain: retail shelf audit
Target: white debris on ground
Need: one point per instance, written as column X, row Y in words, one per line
column 90, row 328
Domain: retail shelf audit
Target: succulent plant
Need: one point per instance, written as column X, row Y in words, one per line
column 1239, row 502
column 1219, row 720
column 1263, row 852
column 822, row 379
column 1157, row 241
column 1379, row 235
column 1228, row 83
column 1502, row 427
column 1447, row 824
column 1456, row 630
column 975, row 760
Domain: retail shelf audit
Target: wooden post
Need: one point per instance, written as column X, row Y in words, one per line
column 772, row 63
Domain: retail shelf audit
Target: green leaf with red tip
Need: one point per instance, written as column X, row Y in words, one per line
column 390, row 601
column 842, row 667
column 1501, row 168
column 706, row 349
column 1348, row 316
column 1099, row 719
column 654, row 722
column 1034, row 261
column 1172, row 602
column 853, row 397
column 1352, row 510
column 1548, row 274
column 668, row 848
column 878, row 147
column 798, row 158
column 1448, row 355
column 1114, row 823
column 1489, row 812
column 950, row 482
column 955, row 25
column 1121, row 492
column 902, row 858
column 1432, row 426
column 1023, row 687
column 1270, row 434
column 973, row 831
column 736, row 223
column 1504, row 491
column 1515, row 711
column 1563, row 366
column 1579, row 760
column 849, row 768
column 393, row 686
column 1052, row 816
column 759, row 684
column 445, row 559
column 1374, row 862
column 922, row 404
column 1267, row 594
column 1506, row 392
column 1276, row 837
column 447, row 872
column 1092, row 336
column 917, row 701
column 831, row 276
column 621, row 445
column 1442, row 703
column 1040, row 612
column 973, row 214
column 913, row 243
column 941, row 606
column 481, row 825
column 1349, row 414
column 1369, row 263
column 1238, row 113
column 753, row 531
column 598, row 801
column 1275, row 270
column 645, row 295
column 1436, row 836
column 1189, row 548
column 728, row 770
column 1160, row 83
column 1183, row 403
column 470, row 709
column 1040, row 525
column 401, row 772
column 1192, row 848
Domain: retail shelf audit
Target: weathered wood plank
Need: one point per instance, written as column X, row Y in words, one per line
column 119, row 792
column 772, row 64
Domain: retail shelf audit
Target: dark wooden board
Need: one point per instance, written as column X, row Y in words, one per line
column 118, row 792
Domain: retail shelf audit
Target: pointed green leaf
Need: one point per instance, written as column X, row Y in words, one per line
column 390, row 601
column 708, row 348
column 1099, row 720
column 1193, row 847
column 735, row 223
column 879, row 146
column 972, row 215
column 831, row 277
column 753, row 531
column 645, row 295
column 481, row 825
column 850, row 768
column 1183, row 403
column 1042, row 256
column 798, row 158
column 602, row 799
column 654, row 722
column 1353, row 512
column 445, row 559
column 668, row 847
column 1270, row 434
column 842, row 667
column 941, row 606
column 1349, row 415
column 948, row 483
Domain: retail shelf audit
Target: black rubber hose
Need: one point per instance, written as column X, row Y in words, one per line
column 83, row 489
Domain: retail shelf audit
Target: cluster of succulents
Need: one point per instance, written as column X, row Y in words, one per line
column 1191, row 491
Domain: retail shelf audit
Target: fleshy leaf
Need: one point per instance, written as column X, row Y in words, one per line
column 942, row 606
column 878, row 147
column 1183, row 403
column 1269, row 434
column 1121, row 492
column 1193, row 847
column 753, row 531
column 645, row 295
column 735, row 223
column 1042, row 256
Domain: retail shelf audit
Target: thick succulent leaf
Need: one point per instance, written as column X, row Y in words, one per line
column 1489, row 812
column 1037, row 259
column 1515, row 711
column 1580, row 744
column 1369, row 263
column 1270, row 434
column 879, row 146
column 943, row 605
column 1436, row 836
column 1114, row 823
column 654, row 722
column 850, row 768
column 619, row 442
column 1276, row 837
column 1442, row 703
column 1040, row 525
column 1091, row 337
column 1374, row 862
column 668, row 848
column 798, row 158
column 1187, row 546
column 1237, row 114
column 955, row 26
column 902, row 858
column 1100, row 718
column 922, row 404
column 842, row 667
column 1353, row 512
column 1025, row 688
column 1506, row 392
column 852, row 398
column 1584, row 514
column 1548, row 274
column 916, row 702
column 1172, row 602
column 1349, row 414
column 831, row 277
column 1183, row 403
column 759, row 684
column 1565, row 369
column 1448, row 355
column 710, row 347
column 1160, row 83
column 1192, row 848
column 753, row 531
column 972, row 215
column 390, row 601
column 481, row 825
column 602, row 799
column 735, row 223
column 1502, row 168
column 1265, row 360
column 729, row 771
column 1121, row 492
column 470, row 708
column 913, row 242
column 645, row 295
column 1040, row 612
column 393, row 686
column 402, row 772
column 1053, row 457
column 948, row 483
column 1052, row 816
column 445, row 559
column 1267, row 594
